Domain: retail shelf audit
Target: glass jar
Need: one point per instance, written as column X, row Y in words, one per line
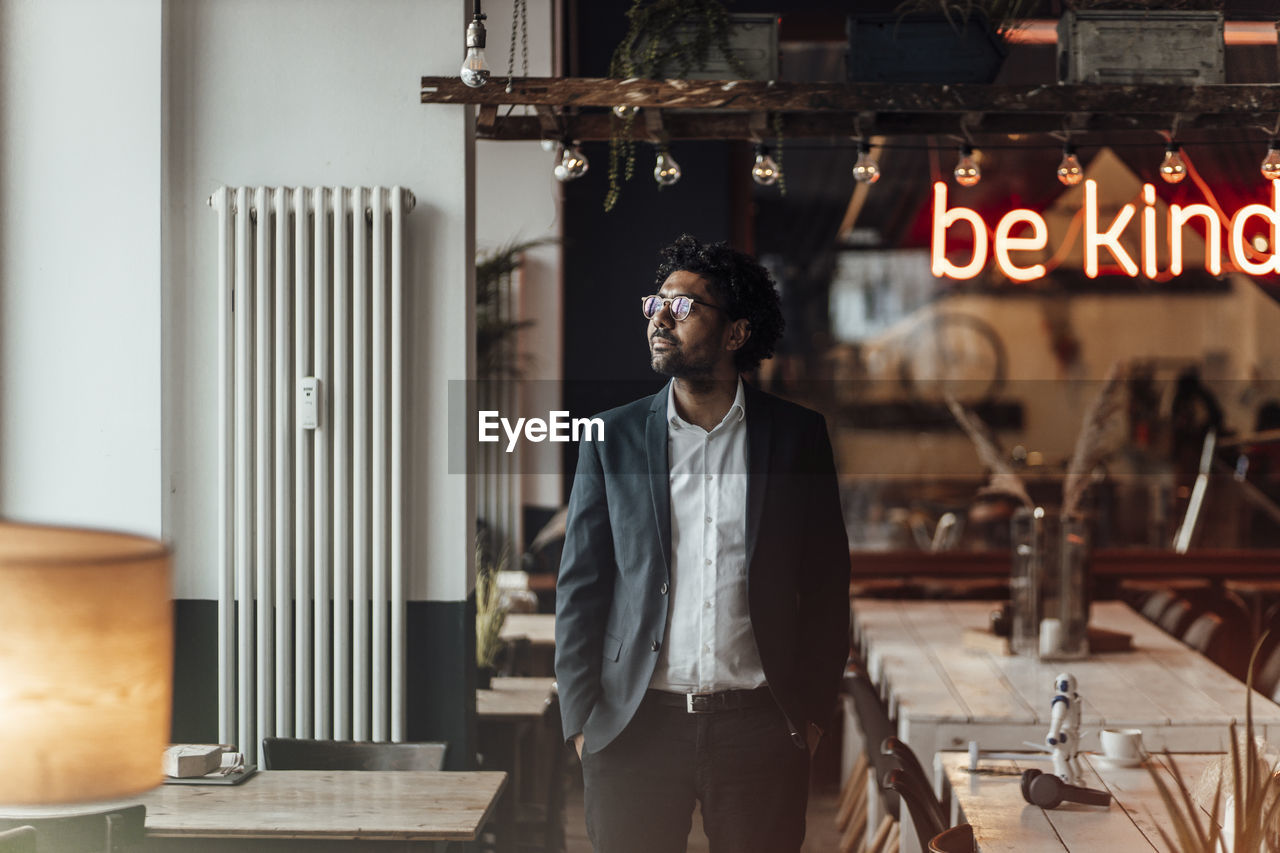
column 1049, row 585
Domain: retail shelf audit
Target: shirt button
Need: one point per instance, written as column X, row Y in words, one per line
column 708, row 476
column 706, row 605
column 656, row 645
column 708, row 519
column 705, row 647
column 663, row 588
column 708, row 562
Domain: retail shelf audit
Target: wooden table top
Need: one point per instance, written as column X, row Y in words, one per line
column 1005, row 823
column 538, row 628
column 916, row 654
column 398, row 805
column 515, row 698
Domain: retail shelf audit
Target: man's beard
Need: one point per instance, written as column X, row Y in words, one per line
column 674, row 362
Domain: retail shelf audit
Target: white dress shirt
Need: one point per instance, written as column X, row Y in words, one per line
column 709, row 643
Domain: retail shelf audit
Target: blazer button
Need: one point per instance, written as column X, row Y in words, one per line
column 663, row 589
column 655, row 646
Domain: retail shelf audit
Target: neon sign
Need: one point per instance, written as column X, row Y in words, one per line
column 1003, row 245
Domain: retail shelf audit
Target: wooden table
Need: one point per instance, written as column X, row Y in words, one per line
column 298, row 809
column 508, row 717
column 945, row 695
column 1004, row 823
column 538, row 631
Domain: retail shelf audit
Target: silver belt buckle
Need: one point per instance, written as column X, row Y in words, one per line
column 688, row 702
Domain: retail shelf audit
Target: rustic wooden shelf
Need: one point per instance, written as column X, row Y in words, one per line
column 734, row 109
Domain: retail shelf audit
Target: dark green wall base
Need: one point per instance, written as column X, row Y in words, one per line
column 440, row 694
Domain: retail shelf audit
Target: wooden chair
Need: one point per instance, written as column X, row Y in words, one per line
column 283, row 753
column 907, row 762
column 920, row 801
column 1201, row 632
column 1176, row 616
column 20, row 839
column 874, row 721
column 1156, row 604
column 957, row 839
column 116, row 830
column 1267, row 676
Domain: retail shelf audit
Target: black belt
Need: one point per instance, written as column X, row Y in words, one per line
column 710, row 703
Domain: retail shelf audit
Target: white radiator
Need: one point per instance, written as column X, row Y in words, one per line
column 311, row 601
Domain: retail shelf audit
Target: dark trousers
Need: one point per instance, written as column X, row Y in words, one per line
column 750, row 777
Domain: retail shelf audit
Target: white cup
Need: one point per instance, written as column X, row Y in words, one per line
column 1050, row 637
column 1123, row 746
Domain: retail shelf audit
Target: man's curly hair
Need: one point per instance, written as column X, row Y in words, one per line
column 740, row 284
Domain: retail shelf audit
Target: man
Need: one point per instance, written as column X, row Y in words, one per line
column 702, row 602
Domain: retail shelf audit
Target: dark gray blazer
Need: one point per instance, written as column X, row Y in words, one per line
column 611, row 596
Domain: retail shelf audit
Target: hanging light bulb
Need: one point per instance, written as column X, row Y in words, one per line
column 625, row 111
column 967, row 172
column 1069, row 171
column 475, row 71
column 666, row 171
column 549, row 145
column 866, row 170
column 1172, row 169
column 765, row 170
column 1271, row 163
column 572, row 165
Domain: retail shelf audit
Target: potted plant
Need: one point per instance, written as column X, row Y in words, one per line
column 490, row 615
column 1141, row 41
column 933, row 41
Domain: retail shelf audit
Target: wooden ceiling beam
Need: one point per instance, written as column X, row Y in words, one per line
column 746, row 96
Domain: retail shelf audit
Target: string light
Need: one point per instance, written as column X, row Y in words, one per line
column 866, row 170
column 1271, row 163
column 1069, row 171
column 666, row 171
column 967, row 172
column 572, row 165
column 1172, row 169
column 765, row 170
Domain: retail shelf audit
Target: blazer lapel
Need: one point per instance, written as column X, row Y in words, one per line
column 759, row 428
column 655, row 443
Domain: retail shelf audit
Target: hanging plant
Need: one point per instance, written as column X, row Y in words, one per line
column 662, row 36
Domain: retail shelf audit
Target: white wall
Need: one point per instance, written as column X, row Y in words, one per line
column 517, row 199
column 80, row 262
column 318, row 92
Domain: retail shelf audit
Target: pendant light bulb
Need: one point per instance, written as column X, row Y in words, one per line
column 1172, row 169
column 866, row 170
column 765, row 170
column 475, row 71
column 967, row 172
column 623, row 111
column 572, row 165
column 1069, row 171
column 666, row 171
column 1271, row 163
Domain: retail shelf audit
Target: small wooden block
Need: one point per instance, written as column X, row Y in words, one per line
column 1106, row 640
column 983, row 639
column 185, row 760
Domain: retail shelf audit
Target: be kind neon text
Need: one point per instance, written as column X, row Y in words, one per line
column 1002, row 244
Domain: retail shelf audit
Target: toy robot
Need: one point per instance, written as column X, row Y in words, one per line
column 1064, row 729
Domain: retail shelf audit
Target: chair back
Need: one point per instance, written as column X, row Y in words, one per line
column 1156, row 604
column 1175, row 617
column 906, row 760
column 957, row 839
column 1200, row 633
column 20, row 839
column 114, row 830
column 874, row 721
column 285, row 753
column 920, row 802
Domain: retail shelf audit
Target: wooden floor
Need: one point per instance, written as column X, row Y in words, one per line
column 821, row 835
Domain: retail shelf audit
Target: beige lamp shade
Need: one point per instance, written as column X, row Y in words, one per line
column 86, row 664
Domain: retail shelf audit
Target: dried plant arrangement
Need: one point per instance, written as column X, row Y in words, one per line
column 1244, row 788
column 1004, row 480
column 490, row 612
column 1096, row 439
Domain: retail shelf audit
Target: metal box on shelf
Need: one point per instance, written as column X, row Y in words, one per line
column 753, row 41
column 1170, row 47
